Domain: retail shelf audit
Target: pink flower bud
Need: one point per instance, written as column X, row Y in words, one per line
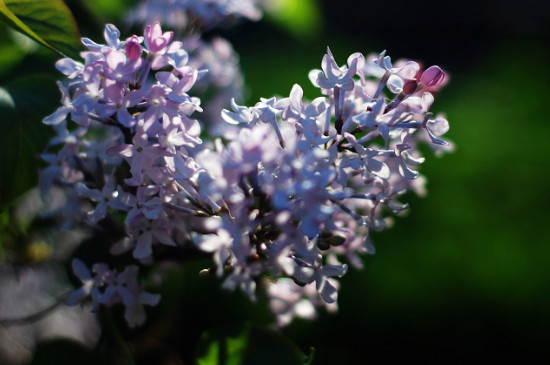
column 433, row 76
column 133, row 49
column 410, row 86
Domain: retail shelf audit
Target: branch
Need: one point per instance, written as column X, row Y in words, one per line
column 33, row 317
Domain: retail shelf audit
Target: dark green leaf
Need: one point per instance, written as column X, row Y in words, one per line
column 23, row 105
column 248, row 345
column 10, row 54
column 49, row 22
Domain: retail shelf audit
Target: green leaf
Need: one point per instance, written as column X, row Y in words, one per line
column 23, row 105
column 225, row 348
column 248, row 344
column 49, row 22
column 10, row 54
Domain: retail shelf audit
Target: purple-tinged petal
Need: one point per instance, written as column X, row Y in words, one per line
column 410, row 160
column 107, row 296
column 296, row 95
column 406, row 172
column 143, row 248
column 378, row 168
column 105, row 110
column 125, row 118
column 438, row 126
column 74, row 297
column 126, row 150
column 128, row 298
column 395, row 84
column 91, row 45
column 242, row 114
column 327, row 291
column 112, row 35
column 427, row 101
column 93, row 194
column 47, row 177
column 434, row 139
column 149, row 299
column 314, row 76
column 132, row 98
column 69, row 67
column 57, row 117
column 115, row 60
column 409, row 70
column 81, row 270
column 164, row 238
column 99, row 213
column 135, row 315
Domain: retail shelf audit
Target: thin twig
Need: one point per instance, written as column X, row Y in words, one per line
column 33, row 317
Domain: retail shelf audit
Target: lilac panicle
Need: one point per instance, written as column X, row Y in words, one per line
column 183, row 14
column 285, row 201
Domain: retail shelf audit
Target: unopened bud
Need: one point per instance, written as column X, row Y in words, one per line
column 133, row 49
column 410, row 87
column 433, row 76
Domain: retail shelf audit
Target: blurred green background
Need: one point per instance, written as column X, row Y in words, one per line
column 464, row 276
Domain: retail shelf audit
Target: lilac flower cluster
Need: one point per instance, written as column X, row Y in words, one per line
column 204, row 14
column 223, row 81
column 285, row 202
column 190, row 19
column 109, row 287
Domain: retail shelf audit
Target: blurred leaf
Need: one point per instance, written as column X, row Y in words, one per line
column 302, row 18
column 20, row 55
column 271, row 347
column 230, row 350
column 110, row 9
column 23, row 104
column 49, row 22
column 311, row 356
column 10, row 53
column 248, row 345
column 92, row 15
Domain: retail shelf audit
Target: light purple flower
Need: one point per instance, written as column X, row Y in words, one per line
column 332, row 75
column 139, row 155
